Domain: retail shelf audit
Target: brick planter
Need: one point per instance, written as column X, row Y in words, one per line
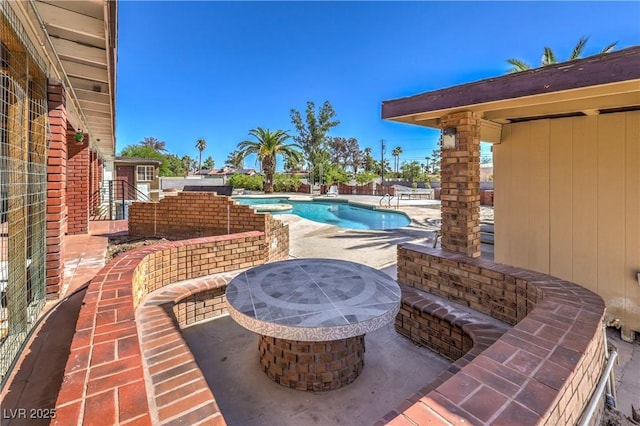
column 312, row 366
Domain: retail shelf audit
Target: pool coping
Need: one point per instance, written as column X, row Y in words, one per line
column 334, row 200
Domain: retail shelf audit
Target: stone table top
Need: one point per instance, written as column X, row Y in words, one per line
column 313, row 299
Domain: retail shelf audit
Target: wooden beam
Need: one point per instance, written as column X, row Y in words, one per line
column 67, row 20
column 77, row 52
column 86, row 72
column 91, row 96
column 490, row 131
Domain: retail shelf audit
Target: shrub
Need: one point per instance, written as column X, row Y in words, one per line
column 251, row 183
column 365, row 177
column 286, row 183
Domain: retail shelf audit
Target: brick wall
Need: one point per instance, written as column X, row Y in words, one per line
column 56, row 188
column 541, row 371
column 78, row 171
column 198, row 214
column 104, row 376
column 460, row 186
column 200, row 306
column 426, row 329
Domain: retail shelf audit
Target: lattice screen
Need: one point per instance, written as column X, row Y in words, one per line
column 23, row 174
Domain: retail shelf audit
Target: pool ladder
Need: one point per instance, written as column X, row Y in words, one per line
column 386, row 199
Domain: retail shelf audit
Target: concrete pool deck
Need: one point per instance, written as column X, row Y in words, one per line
column 375, row 248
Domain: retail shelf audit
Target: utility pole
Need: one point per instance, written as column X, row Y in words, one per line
column 382, row 162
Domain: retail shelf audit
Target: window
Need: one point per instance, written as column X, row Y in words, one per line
column 144, row 173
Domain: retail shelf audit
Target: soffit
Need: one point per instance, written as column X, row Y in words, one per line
column 83, row 38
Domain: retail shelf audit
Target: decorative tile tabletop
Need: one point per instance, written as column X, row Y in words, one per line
column 313, row 299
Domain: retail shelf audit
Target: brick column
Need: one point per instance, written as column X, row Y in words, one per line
column 56, row 188
column 460, row 180
column 78, row 171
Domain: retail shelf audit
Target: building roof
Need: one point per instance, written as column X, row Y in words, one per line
column 134, row 160
column 597, row 84
column 228, row 171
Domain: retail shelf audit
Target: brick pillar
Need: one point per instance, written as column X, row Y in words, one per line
column 56, row 188
column 78, row 171
column 460, row 193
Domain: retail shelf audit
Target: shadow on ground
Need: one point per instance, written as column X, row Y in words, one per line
column 228, row 357
column 37, row 381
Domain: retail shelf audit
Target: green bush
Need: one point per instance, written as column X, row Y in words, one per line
column 251, row 183
column 365, row 177
column 286, row 183
column 335, row 174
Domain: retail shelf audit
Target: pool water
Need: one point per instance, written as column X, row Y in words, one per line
column 336, row 213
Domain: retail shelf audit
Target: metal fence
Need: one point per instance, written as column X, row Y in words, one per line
column 23, row 185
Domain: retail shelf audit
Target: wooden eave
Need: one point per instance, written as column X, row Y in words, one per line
column 581, row 87
column 78, row 39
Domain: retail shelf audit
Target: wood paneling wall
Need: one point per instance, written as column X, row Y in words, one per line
column 567, row 203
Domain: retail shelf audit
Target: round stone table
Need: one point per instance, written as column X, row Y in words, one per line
column 312, row 315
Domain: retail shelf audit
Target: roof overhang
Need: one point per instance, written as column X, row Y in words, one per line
column 79, row 41
column 594, row 85
column 135, row 160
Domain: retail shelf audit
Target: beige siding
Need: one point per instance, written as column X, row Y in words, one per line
column 567, row 202
column 539, row 198
column 585, row 224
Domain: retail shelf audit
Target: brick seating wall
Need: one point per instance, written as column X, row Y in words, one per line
column 543, row 370
column 104, row 376
column 178, row 391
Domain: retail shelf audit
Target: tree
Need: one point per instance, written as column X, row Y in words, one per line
column 293, row 164
column 139, row 151
column 154, row 144
column 235, row 160
column 368, row 162
column 201, row 145
column 365, row 177
column 335, row 174
column 396, row 154
column 312, row 133
column 187, row 164
column 433, row 161
column 175, row 165
column 338, row 149
column 549, row 57
column 411, row 171
column 209, row 164
column 267, row 146
column 356, row 156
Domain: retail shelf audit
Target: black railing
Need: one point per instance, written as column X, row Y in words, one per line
column 111, row 202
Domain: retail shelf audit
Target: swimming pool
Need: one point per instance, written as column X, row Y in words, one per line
column 337, row 213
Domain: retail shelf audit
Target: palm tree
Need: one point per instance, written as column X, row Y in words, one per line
column 549, row 57
column 201, row 145
column 235, row 159
column 267, row 145
column 154, row 143
column 396, row 154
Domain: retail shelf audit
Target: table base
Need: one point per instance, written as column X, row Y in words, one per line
column 312, row 366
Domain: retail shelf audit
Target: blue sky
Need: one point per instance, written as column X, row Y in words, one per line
column 215, row 70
